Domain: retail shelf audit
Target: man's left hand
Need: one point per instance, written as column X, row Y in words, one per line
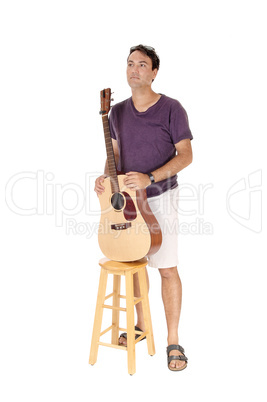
column 136, row 181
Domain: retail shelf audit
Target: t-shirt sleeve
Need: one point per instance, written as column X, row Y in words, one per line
column 112, row 125
column 179, row 125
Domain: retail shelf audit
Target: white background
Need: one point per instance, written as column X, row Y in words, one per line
column 55, row 58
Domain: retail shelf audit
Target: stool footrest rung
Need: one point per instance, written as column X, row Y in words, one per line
column 141, row 336
column 106, row 330
column 124, row 297
column 138, row 299
column 110, row 345
column 113, row 307
column 110, row 295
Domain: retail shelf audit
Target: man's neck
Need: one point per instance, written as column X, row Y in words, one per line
column 144, row 98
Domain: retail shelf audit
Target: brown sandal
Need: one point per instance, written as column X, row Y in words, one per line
column 180, row 357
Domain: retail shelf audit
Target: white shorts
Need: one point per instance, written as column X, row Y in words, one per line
column 165, row 209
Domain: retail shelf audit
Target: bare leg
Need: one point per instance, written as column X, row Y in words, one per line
column 172, row 300
column 139, row 311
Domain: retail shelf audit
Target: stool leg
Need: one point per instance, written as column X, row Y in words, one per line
column 146, row 311
column 98, row 316
column 130, row 322
column 116, row 313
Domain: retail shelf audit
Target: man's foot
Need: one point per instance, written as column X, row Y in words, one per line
column 123, row 339
column 176, row 363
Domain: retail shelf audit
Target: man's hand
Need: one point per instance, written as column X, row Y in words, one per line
column 99, row 189
column 136, row 181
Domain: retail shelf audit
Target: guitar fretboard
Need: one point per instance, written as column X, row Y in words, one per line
column 110, row 156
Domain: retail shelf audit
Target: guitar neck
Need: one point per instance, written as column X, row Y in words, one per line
column 110, row 156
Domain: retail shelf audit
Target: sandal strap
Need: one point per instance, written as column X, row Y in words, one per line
column 175, row 347
column 180, row 357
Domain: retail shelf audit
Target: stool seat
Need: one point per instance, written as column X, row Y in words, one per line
column 122, row 266
column 118, row 269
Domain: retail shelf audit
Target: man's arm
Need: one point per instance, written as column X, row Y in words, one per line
column 184, row 157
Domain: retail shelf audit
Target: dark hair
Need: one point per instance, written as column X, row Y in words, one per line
column 150, row 52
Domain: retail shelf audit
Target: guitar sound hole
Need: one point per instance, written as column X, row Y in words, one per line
column 117, row 201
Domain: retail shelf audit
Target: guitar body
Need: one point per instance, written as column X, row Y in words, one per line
column 128, row 230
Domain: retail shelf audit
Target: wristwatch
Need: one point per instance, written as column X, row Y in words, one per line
column 150, row 175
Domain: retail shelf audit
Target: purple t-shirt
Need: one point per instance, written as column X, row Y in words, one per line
column 146, row 139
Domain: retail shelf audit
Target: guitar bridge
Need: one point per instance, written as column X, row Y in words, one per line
column 121, row 226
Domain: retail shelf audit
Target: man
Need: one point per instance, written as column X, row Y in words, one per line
column 152, row 143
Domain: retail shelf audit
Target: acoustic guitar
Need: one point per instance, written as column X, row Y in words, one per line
column 128, row 230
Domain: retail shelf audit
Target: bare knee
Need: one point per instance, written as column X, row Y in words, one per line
column 168, row 273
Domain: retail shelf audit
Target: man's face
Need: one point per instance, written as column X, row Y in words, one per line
column 139, row 70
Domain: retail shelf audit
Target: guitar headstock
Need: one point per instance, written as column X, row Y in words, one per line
column 105, row 99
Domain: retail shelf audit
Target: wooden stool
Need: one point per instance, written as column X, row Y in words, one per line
column 128, row 269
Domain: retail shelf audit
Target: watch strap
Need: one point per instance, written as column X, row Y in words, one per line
column 150, row 175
